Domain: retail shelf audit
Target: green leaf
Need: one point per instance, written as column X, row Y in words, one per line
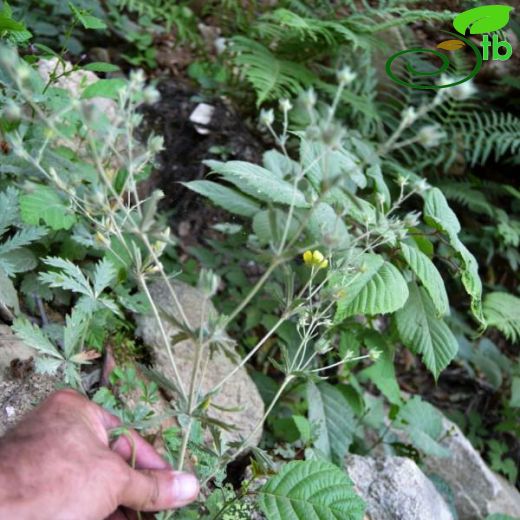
column 9, row 205
column 69, row 277
column 34, row 337
column 258, row 182
column 8, row 24
column 378, row 287
column 87, row 20
column 8, row 295
column 423, row 423
column 429, row 276
column 330, row 412
column 439, row 215
column 100, row 66
column 225, row 197
column 382, row 374
column 104, row 274
column 269, row 224
column 312, row 489
column 75, row 327
column 304, row 427
column 328, row 228
column 514, row 402
column 502, row 311
column 43, row 204
column 21, row 238
column 19, row 261
column 105, row 88
column 423, row 332
column 483, row 19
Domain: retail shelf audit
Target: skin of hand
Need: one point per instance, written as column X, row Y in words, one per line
column 58, row 464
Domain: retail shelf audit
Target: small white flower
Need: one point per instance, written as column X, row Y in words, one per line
column 409, row 115
column 346, row 75
column 309, row 98
column 459, row 92
column 431, row 136
column 151, row 95
column 285, row 105
column 421, row 186
column 267, row 117
column 412, row 219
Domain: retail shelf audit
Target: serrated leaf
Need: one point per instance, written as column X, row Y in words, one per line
column 20, row 261
column 43, row 204
column 9, row 208
column 429, row 276
column 87, row 20
column 330, row 412
column 424, row 333
column 69, row 277
column 75, row 324
column 258, row 182
column 22, row 238
column 312, row 489
column 225, row 197
column 377, row 288
column 105, row 88
column 483, row 19
column 47, row 365
column 8, row 295
column 439, row 215
column 34, row 337
column 104, row 273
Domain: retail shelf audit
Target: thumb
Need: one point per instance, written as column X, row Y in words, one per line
column 155, row 490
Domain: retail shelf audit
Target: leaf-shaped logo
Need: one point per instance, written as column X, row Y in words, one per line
column 451, row 45
column 484, row 19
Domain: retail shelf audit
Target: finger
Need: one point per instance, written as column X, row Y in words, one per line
column 155, row 490
column 145, row 455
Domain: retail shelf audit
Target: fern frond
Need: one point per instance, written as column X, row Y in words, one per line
column 502, row 311
column 270, row 76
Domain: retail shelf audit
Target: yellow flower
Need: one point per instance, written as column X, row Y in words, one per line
column 315, row 259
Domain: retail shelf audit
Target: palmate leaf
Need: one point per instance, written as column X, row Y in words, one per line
column 310, row 489
column 502, row 311
column 377, row 288
column 330, row 411
column 424, row 333
column 439, row 215
column 258, row 182
column 429, row 276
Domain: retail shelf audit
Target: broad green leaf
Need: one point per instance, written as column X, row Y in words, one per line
column 279, row 164
column 330, row 413
column 483, row 19
column 439, row 215
column 269, row 226
column 502, row 311
column 100, row 66
column 33, row 336
column 8, row 24
column 429, row 276
column 20, row 261
column 423, row 423
column 382, row 374
column 43, row 204
column 424, row 333
column 304, row 427
column 225, row 197
column 378, row 287
column 105, row 88
column 259, row 182
column 328, row 228
column 311, row 489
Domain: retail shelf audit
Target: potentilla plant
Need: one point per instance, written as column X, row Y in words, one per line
column 323, row 198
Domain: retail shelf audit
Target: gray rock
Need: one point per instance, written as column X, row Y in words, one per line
column 395, row 488
column 239, row 394
column 478, row 491
column 19, row 393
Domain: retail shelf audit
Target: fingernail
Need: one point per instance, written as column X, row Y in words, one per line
column 185, row 486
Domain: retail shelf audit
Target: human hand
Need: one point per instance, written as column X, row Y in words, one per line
column 58, row 464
